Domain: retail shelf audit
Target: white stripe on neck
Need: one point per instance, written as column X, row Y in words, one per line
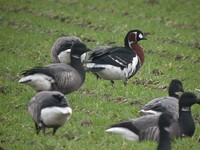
column 76, row 56
column 167, row 129
column 185, row 108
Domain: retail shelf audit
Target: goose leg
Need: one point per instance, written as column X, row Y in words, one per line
column 112, row 81
column 37, row 128
column 54, row 131
column 125, row 83
column 43, row 129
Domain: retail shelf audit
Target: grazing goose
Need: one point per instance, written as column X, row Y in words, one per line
column 60, row 52
column 58, row 77
column 169, row 103
column 146, row 127
column 49, row 109
column 118, row 63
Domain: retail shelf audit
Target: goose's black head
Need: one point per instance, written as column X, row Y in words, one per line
column 133, row 36
column 175, row 88
column 187, row 99
column 165, row 120
column 55, row 99
column 66, row 45
column 78, row 49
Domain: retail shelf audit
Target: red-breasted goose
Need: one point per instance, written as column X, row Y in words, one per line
column 169, row 103
column 49, row 109
column 99, row 50
column 60, row 52
column 146, row 127
column 59, row 76
column 118, row 63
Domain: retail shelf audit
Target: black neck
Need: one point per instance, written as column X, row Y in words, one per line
column 186, row 121
column 164, row 142
column 172, row 94
column 76, row 64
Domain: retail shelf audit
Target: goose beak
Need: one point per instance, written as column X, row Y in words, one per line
column 88, row 50
column 181, row 90
column 144, row 38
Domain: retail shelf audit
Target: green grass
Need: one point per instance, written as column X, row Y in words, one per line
column 28, row 31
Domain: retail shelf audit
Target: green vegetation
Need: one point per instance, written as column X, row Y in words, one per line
column 28, row 31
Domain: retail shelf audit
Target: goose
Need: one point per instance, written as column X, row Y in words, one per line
column 146, row 127
column 49, row 109
column 98, row 50
column 58, row 76
column 169, row 103
column 118, row 63
column 164, row 122
column 60, row 52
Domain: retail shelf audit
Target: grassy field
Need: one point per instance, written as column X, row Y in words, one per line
column 28, row 31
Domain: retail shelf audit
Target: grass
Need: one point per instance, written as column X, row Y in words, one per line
column 28, row 31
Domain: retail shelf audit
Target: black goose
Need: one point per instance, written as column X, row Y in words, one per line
column 58, row 77
column 49, row 109
column 118, row 63
column 61, row 50
column 164, row 123
column 169, row 103
column 146, row 127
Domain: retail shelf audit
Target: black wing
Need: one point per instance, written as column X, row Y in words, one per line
column 116, row 56
column 34, row 70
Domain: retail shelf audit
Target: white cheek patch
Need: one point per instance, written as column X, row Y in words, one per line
column 140, row 36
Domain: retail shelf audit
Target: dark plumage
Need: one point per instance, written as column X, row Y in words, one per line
column 49, row 109
column 164, row 122
column 61, row 50
column 148, row 125
column 169, row 103
column 58, row 77
column 118, row 63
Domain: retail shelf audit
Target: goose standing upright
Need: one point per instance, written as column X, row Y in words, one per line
column 118, row 63
column 169, row 103
column 49, row 109
column 146, row 127
column 60, row 52
column 58, row 76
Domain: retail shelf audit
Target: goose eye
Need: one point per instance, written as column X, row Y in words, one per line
column 140, row 36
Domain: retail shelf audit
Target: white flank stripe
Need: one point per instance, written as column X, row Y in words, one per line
column 64, row 56
column 38, row 81
column 126, row 133
column 115, row 73
column 147, row 112
column 55, row 115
